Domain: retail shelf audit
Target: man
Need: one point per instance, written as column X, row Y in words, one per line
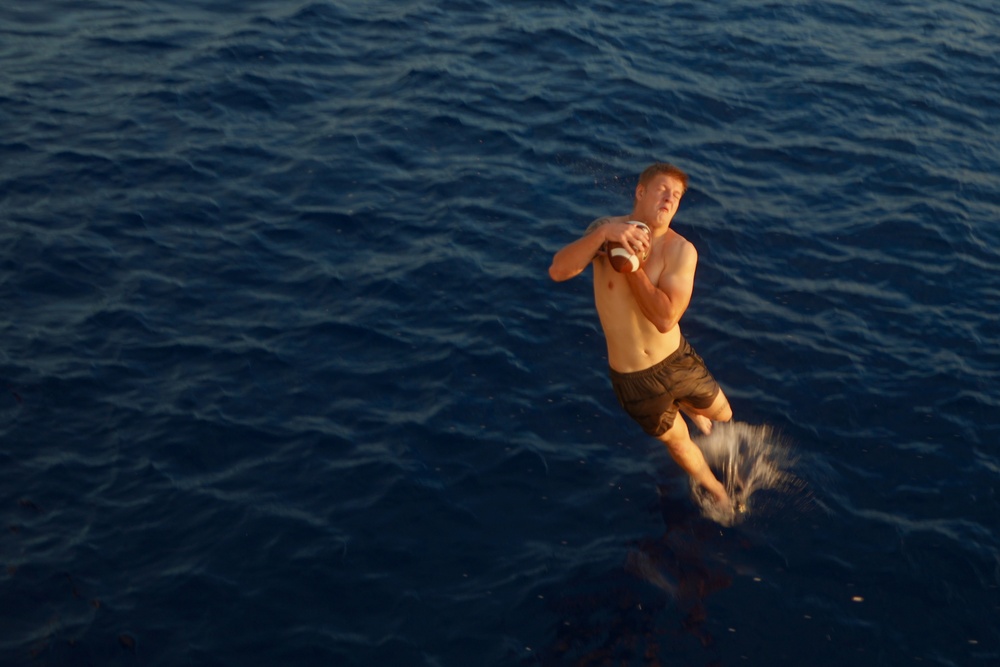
column 654, row 371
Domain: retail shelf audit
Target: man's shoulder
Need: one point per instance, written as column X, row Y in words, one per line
column 679, row 243
column 677, row 255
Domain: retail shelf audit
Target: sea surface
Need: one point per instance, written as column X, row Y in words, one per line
column 284, row 381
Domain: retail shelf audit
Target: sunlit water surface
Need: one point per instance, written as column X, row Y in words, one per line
column 285, row 381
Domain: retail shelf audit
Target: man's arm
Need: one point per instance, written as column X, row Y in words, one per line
column 577, row 256
column 574, row 258
column 664, row 303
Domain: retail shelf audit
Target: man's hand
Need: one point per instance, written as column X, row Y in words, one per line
column 629, row 235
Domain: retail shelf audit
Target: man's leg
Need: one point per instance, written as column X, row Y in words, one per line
column 719, row 411
column 687, row 455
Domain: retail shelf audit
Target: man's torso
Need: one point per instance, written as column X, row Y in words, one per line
column 634, row 343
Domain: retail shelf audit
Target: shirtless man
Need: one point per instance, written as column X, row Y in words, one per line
column 654, row 371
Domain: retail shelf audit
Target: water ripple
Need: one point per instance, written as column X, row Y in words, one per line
column 280, row 338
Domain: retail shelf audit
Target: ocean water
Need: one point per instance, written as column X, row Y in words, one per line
column 285, row 381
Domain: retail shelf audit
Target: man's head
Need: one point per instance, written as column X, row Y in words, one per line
column 659, row 193
column 659, row 168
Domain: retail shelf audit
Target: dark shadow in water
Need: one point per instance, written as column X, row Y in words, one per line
column 647, row 612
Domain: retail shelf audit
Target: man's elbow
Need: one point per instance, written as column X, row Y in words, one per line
column 559, row 274
column 665, row 325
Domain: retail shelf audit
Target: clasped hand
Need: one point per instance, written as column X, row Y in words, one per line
column 630, row 236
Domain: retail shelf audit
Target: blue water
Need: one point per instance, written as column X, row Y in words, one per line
column 284, row 381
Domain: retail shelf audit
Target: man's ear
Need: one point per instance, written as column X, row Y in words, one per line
column 639, row 189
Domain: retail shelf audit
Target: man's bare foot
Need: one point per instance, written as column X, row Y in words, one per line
column 717, row 508
column 718, row 494
column 703, row 423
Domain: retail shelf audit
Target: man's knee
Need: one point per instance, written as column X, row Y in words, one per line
column 725, row 414
column 720, row 410
column 677, row 436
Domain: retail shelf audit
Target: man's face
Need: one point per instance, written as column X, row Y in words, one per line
column 658, row 199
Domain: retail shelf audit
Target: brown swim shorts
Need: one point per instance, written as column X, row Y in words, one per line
column 652, row 396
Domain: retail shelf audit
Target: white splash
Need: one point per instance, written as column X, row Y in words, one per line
column 747, row 458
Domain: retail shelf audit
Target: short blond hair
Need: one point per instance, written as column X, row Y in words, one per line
column 658, row 168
